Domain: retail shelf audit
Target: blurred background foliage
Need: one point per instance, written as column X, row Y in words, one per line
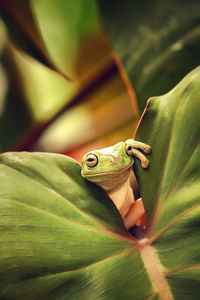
column 75, row 75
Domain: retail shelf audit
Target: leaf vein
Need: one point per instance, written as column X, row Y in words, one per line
column 177, row 181
column 180, row 270
column 88, row 227
column 174, row 222
column 49, row 189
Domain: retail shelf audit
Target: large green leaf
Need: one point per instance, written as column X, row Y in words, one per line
column 158, row 42
column 172, row 193
column 62, row 237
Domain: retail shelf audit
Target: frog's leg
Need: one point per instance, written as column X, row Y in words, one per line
column 139, row 145
column 131, row 149
column 135, row 214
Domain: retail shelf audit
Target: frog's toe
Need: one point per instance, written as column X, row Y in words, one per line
column 145, row 163
column 147, row 149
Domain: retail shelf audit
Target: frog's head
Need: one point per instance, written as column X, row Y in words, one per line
column 105, row 163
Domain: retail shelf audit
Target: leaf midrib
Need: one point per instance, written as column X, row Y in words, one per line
column 155, row 271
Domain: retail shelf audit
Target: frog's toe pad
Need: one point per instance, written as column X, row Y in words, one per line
column 147, row 149
column 145, row 163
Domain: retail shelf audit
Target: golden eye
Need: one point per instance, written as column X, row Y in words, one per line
column 129, row 150
column 91, row 160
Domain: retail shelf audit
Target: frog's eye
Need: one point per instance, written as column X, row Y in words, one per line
column 91, row 160
column 129, row 150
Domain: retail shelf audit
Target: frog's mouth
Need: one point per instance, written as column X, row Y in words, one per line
column 106, row 173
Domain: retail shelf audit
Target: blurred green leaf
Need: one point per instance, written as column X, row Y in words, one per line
column 72, row 35
column 18, row 16
column 63, row 35
column 158, row 42
column 63, row 238
column 15, row 116
column 46, row 92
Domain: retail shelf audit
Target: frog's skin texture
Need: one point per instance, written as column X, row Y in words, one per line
column 110, row 168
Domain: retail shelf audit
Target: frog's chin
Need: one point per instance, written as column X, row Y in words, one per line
column 109, row 180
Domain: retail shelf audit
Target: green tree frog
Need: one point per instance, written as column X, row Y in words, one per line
column 110, row 168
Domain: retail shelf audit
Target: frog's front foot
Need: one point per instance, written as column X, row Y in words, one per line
column 132, row 147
